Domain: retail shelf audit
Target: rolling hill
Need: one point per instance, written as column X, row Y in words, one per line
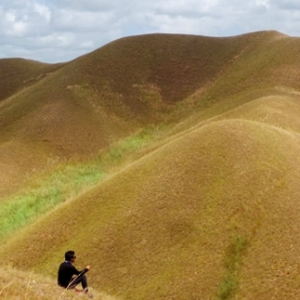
column 97, row 99
column 173, row 161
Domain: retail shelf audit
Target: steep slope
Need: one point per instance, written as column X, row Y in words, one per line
column 261, row 69
column 211, row 212
column 76, row 109
column 176, row 65
column 79, row 108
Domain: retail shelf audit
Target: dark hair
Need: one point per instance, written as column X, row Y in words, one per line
column 69, row 255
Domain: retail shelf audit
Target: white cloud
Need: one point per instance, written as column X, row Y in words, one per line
column 73, row 27
column 43, row 11
column 70, row 20
column 288, row 4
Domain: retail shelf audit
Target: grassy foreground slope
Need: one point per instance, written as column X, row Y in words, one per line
column 212, row 213
column 15, row 284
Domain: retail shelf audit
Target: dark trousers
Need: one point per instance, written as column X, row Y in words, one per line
column 80, row 279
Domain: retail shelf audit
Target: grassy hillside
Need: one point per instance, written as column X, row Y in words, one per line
column 15, row 284
column 79, row 108
column 192, row 218
column 168, row 162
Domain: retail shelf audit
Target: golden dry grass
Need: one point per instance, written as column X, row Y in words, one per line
column 18, row 285
column 207, row 211
column 160, row 228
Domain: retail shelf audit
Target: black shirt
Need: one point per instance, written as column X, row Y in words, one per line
column 65, row 272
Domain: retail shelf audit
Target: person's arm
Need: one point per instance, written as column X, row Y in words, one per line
column 87, row 268
column 75, row 271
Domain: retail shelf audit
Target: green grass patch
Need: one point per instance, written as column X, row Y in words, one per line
column 66, row 182
column 19, row 210
column 132, row 144
column 232, row 263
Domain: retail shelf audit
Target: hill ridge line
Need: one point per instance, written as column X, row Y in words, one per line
column 163, row 144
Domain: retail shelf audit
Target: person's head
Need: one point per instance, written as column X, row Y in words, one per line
column 70, row 255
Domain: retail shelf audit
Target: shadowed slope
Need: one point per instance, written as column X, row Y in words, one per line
column 210, row 214
column 175, row 65
column 17, row 74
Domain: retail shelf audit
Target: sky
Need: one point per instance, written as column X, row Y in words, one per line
column 54, row 31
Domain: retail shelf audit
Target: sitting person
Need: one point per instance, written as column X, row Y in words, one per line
column 66, row 272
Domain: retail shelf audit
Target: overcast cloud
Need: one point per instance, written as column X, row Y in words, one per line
column 61, row 30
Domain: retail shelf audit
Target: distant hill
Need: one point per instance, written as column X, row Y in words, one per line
column 17, row 74
column 172, row 161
